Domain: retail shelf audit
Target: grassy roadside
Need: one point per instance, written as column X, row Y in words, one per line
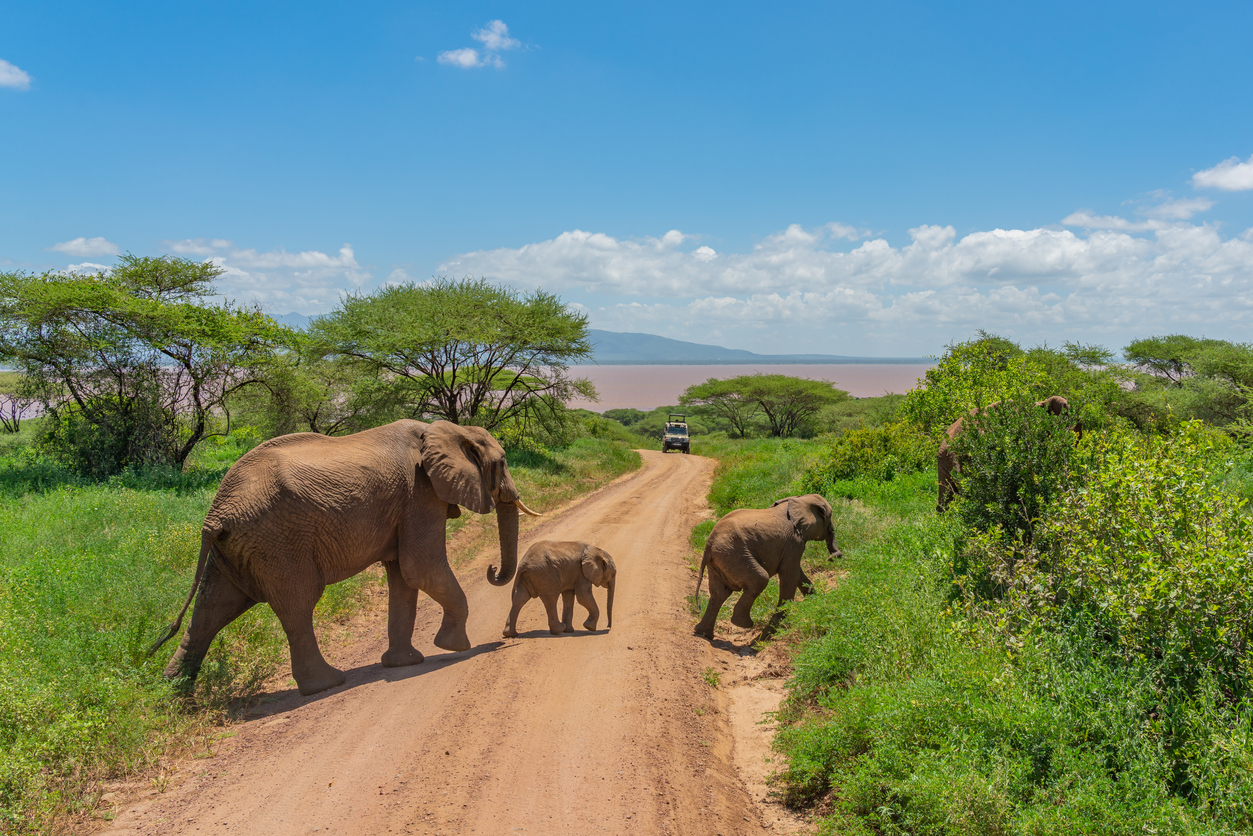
column 89, row 572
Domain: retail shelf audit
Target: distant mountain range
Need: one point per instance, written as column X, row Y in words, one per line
column 613, row 348
column 619, row 349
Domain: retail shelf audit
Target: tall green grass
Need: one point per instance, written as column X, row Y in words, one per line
column 910, row 713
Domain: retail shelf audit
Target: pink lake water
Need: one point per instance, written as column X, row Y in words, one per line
column 648, row 387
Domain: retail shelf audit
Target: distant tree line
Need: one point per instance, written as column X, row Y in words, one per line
column 138, row 364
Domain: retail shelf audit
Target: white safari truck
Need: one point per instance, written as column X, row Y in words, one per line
column 675, row 436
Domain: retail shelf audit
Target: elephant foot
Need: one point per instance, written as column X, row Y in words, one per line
column 509, row 633
column 745, row 621
column 704, row 632
column 589, row 625
column 558, row 630
column 313, row 684
column 400, row 657
column 452, row 639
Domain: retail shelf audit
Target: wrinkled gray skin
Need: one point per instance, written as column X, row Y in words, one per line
column 949, row 468
column 567, row 568
column 749, row 546
column 303, row 511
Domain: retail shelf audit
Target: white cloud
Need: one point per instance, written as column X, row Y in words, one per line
column 196, row 246
column 464, row 58
column 87, row 267
column 495, row 39
column 1180, row 209
column 307, row 282
column 1230, row 176
column 798, row 290
column 85, row 247
column 13, row 76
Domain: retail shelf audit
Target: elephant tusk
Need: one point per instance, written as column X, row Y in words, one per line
column 526, row 510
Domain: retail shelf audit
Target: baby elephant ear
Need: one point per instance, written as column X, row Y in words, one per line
column 593, row 566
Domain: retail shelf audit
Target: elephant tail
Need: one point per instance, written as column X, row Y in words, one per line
column 704, row 561
column 206, row 545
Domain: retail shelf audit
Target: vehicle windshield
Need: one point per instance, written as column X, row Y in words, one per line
column 676, row 430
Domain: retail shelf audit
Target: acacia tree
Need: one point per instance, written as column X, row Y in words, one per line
column 788, row 403
column 725, row 399
column 466, row 351
column 131, row 361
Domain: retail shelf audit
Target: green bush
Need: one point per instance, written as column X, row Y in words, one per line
column 873, row 452
column 1015, row 460
column 110, row 435
column 1154, row 548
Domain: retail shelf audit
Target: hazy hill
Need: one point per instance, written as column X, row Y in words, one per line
column 626, row 349
column 623, row 349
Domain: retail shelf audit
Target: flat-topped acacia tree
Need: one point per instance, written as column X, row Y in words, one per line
column 131, row 361
column 787, row 403
column 466, row 351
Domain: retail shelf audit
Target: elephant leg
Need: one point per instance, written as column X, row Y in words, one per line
column 311, row 671
column 218, row 603
column 790, row 579
column 755, row 580
column 588, row 602
column 718, row 593
column 443, row 587
column 520, row 597
column 806, row 585
column 550, row 605
column 402, row 611
column 567, row 610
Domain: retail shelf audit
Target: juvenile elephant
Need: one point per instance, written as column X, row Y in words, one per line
column 949, row 467
column 569, row 569
column 305, row 510
column 749, row 546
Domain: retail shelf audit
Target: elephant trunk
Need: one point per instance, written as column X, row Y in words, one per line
column 833, row 551
column 507, row 526
column 609, row 605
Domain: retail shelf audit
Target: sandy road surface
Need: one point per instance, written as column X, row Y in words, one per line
column 606, row 733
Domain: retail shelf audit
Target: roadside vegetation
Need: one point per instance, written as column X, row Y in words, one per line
column 1067, row 649
column 146, row 394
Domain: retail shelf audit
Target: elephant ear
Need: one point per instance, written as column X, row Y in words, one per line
column 593, row 566
column 461, row 464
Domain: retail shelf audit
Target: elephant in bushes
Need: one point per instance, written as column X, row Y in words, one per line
column 569, row 569
column 949, row 467
column 306, row 510
column 749, row 546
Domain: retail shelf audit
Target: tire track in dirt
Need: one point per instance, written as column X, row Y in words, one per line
column 585, row 733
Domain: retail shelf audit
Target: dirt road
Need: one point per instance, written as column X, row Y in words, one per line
column 607, row 733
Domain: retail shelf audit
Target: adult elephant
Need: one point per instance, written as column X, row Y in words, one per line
column 749, row 546
column 306, row 510
column 949, row 467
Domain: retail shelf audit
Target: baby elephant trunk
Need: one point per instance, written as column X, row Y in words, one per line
column 609, row 605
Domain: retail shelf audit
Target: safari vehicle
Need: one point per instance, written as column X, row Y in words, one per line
column 675, row 436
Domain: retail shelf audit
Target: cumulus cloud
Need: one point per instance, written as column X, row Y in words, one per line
column 1180, row 209
column 1230, row 175
column 196, row 246
column 87, row 267
column 83, row 247
column 307, row 282
column 13, row 77
column 495, row 39
column 806, row 290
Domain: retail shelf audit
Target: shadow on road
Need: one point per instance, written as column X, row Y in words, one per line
column 280, row 702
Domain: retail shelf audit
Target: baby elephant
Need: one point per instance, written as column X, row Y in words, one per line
column 567, row 568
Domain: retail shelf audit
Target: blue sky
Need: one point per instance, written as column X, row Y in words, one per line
column 871, row 178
